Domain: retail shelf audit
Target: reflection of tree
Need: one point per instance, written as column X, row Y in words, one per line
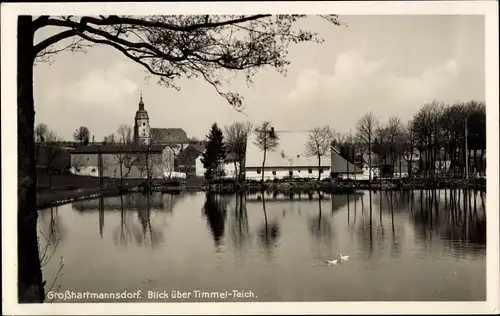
column 52, row 228
column 366, row 229
column 320, row 226
column 215, row 211
column 239, row 228
column 101, row 216
column 51, row 238
column 150, row 235
column 454, row 215
column 269, row 232
column 122, row 234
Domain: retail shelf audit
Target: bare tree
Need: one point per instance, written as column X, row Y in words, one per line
column 124, row 157
column 110, row 139
column 409, row 146
column 318, row 144
column 124, row 134
column 82, row 135
column 267, row 140
column 155, row 136
column 170, row 47
column 166, row 162
column 51, row 151
column 365, row 131
column 236, row 137
column 76, row 163
column 394, row 134
column 41, row 131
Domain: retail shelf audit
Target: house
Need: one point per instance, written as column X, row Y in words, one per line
column 289, row 160
column 365, row 161
column 187, row 161
column 228, row 166
column 127, row 161
column 340, row 168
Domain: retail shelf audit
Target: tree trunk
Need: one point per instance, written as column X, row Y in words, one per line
column 370, row 159
column 263, row 164
column 30, row 280
column 121, row 169
column 319, row 168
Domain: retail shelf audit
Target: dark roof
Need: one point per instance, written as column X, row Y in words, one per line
column 169, row 135
column 116, row 148
column 59, row 156
column 188, row 155
column 341, row 165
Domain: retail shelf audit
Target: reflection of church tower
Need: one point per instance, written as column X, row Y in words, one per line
column 141, row 126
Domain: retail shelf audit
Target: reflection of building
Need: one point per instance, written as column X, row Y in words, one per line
column 131, row 201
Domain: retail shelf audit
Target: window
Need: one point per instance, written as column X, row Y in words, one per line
column 78, row 170
column 88, row 158
column 298, row 171
column 93, row 170
column 258, row 171
column 143, row 123
column 310, row 171
column 274, row 172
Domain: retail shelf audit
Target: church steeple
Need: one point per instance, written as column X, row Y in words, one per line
column 141, row 126
column 141, row 103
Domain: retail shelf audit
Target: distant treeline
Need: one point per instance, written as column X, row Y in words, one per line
column 436, row 134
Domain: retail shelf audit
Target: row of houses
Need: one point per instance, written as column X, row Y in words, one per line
column 172, row 160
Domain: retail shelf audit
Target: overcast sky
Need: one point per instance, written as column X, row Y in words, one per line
column 389, row 65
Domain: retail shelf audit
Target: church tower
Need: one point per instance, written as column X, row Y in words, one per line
column 141, row 126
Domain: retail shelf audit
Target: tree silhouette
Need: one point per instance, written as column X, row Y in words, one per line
column 266, row 140
column 318, row 144
column 215, row 212
column 214, row 154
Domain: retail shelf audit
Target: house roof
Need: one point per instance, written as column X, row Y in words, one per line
column 169, row 135
column 190, row 153
column 290, row 152
column 117, row 148
column 341, row 165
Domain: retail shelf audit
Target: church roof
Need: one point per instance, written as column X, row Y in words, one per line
column 117, row 148
column 168, row 135
column 141, row 112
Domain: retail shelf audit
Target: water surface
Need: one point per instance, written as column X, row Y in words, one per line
column 413, row 246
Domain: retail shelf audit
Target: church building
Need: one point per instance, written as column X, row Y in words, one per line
column 144, row 134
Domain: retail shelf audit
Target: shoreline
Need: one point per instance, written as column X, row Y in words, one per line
column 60, row 197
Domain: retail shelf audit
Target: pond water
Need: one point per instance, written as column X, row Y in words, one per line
column 403, row 246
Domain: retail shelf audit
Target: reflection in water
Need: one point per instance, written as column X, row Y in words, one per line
column 424, row 245
column 268, row 232
column 320, row 226
column 215, row 211
column 239, row 227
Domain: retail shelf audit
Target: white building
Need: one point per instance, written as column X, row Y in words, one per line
column 288, row 161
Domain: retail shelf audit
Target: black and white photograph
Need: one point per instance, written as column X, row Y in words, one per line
column 277, row 157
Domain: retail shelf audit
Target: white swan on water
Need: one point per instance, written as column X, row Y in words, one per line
column 343, row 257
column 330, row 262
